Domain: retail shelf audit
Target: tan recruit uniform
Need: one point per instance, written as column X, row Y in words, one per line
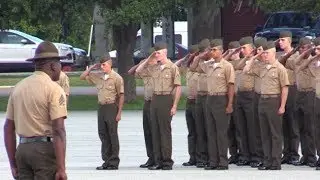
column 200, row 110
column 257, row 89
column 273, row 77
column 290, row 124
column 33, row 105
column 165, row 78
column 109, row 89
column 305, row 112
column 219, row 76
column 317, row 112
column 191, row 83
column 148, row 92
column 64, row 83
column 245, row 116
column 233, row 131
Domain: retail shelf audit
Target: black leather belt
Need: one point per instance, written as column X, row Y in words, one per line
column 24, row 140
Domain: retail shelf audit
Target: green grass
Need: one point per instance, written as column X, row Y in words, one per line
column 84, row 102
column 74, row 81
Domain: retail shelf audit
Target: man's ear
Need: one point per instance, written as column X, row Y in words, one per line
column 54, row 66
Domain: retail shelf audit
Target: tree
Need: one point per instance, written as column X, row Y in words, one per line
column 296, row 5
column 204, row 17
column 54, row 20
column 124, row 17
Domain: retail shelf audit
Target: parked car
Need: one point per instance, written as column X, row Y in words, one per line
column 17, row 46
column 301, row 24
column 180, row 52
column 81, row 58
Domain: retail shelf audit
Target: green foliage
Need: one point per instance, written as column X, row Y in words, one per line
column 118, row 12
column 66, row 21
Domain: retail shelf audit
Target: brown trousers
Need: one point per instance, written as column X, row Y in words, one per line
column 246, row 124
column 191, row 125
column 36, row 161
column 305, row 116
column 217, row 130
column 108, row 133
column 233, row 134
column 161, row 129
column 271, row 130
column 147, row 130
column 317, row 122
column 257, row 129
column 201, row 129
column 290, row 127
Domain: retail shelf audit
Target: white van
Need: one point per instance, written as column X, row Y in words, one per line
column 180, row 31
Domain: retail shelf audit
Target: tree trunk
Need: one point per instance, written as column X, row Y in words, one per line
column 168, row 35
column 100, row 31
column 206, row 21
column 146, row 38
column 124, row 37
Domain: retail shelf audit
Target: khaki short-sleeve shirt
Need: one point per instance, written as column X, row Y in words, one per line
column 236, row 72
column 109, row 86
column 305, row 79
column 34, row 103
column 245, row 81
column 290, row 66
column 219, row 75
column 274, row 77
column 64, row 83
column 257, row 79
column 192, row 84
column 166, row 77
column 147, row 79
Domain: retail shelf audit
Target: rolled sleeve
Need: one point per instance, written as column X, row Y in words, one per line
column 10, row 109
column 66, row 85
column 176, row 77
column 144, row 73
column 92, row 78
column 230, row 75
column 203, row 66
column 58, row 104
column 120, row 86
column 283, row 76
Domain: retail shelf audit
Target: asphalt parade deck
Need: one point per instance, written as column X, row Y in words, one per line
column 83, row 154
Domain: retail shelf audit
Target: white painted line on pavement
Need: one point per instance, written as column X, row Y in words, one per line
column 6, row 87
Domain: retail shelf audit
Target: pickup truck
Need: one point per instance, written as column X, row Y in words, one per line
column 301, row 24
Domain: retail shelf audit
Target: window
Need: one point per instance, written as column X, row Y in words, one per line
column 10, row 38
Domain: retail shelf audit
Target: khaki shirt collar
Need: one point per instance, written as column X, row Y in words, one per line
column 218, row 64
column 110, row 75
column 43, row 74
column 167, row 64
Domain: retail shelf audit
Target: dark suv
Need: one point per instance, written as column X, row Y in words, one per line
column 301, row 24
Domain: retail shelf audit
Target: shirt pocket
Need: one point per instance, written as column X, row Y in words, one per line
column 99, row 86
column 273, row 74
column 167, row 78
